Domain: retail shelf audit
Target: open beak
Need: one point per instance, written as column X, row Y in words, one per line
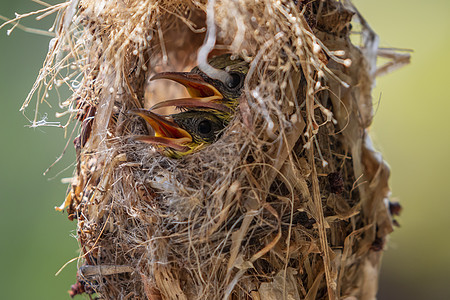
column 203, row 94
column 167, row 133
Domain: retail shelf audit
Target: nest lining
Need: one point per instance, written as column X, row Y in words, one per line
column 288, row 204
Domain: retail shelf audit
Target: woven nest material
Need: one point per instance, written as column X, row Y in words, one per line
column 290, row 203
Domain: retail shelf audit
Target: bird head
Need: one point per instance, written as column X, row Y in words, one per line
column 182, row 133
column 206, row 92
column 207, row 111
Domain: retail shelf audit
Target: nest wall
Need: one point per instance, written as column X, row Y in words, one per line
column 291, row 202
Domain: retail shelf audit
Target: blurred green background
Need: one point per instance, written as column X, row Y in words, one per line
column 35, row 240
column 410, row 128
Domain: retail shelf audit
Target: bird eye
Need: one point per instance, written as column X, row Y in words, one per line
column 204, row 127
column 233, row 81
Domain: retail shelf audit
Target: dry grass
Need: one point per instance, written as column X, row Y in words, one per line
column 291, row 203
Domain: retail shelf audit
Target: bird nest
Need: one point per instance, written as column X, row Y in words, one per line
column 290, row 203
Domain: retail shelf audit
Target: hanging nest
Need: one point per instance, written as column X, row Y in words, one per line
column 290, row 203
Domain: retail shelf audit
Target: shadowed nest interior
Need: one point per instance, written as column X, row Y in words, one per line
column 290, row 203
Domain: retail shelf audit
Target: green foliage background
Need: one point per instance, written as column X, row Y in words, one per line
column 410, row 128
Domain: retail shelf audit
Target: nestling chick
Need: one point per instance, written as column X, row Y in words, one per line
column 206, row 92
column 182, row 133
column 207, row 112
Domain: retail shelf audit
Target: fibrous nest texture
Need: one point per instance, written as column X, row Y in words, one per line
column 290, row 203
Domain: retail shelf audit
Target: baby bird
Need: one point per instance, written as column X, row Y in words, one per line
column 206, row 92
column 182, row 133
column 207, row 112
